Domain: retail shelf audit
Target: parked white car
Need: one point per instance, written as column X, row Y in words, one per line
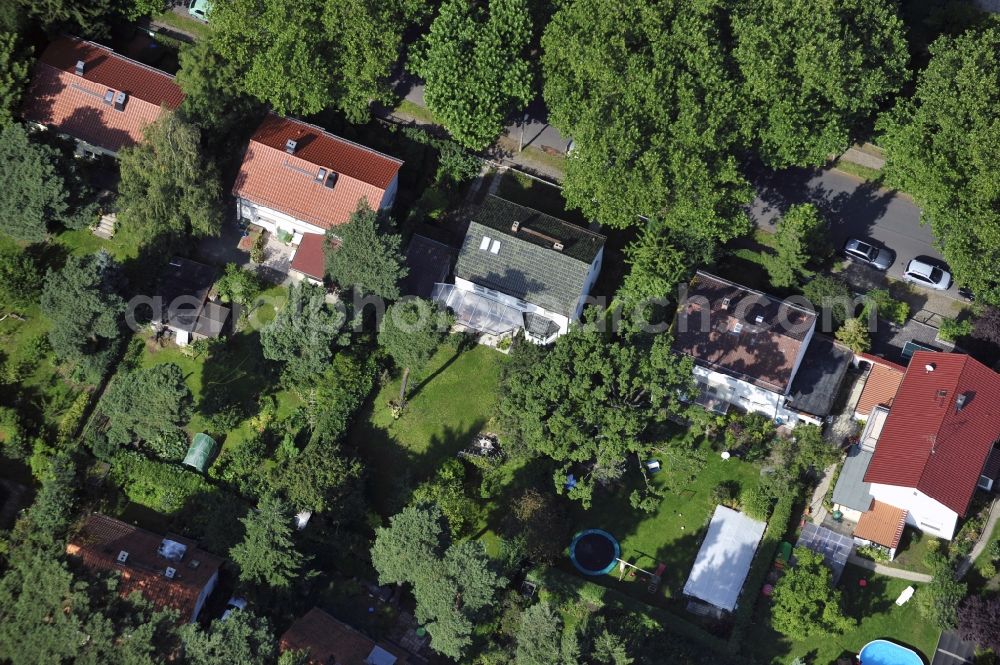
column 924, row 274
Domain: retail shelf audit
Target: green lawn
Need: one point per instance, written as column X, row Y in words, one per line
column 449, row 401
column 82, row 241
column 913, row 550
column 878, row 616
column 199, row 29
column 672, row 534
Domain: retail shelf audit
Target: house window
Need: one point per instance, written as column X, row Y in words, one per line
column 484, row 244
column 985, row 483
column 495, row 247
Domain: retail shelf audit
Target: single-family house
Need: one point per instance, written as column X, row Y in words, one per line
column 297, row 178
column 328, row 640
column 927, row 453
column 748, row 348
column 184, row 304
column 520, row 269
column 99, row 98
column 169, row 571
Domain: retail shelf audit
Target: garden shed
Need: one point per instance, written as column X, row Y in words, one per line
column 202, row 452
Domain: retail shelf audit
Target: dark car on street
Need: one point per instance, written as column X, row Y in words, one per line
column 879, row 258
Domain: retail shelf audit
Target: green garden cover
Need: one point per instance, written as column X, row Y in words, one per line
column 201, row 452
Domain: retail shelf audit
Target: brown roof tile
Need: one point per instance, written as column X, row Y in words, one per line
column 717, row 325
column 931, row 444
column 309, row 258
column 288, row 183
column 331, row 641
column 75, row 105
column 880, row 388
column 102, row 538
column 882, row 523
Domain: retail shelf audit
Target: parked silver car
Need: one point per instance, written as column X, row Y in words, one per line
column 924, row 274
column 879, row 258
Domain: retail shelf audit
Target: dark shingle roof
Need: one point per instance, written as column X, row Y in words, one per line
column 817, row 383
column 526, row 265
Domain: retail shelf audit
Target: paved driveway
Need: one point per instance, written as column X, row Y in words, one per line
column 855, row 208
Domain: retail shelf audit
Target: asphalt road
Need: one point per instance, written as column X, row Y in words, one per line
column 854, row 207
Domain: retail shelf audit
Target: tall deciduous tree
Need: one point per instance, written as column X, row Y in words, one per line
column 799, row 238
column 300, row 56
column 411, row 331
column 979, row 621
column 243, row 638
column 14, row 67
column 590, row 400
column 319, row 479
column 475, row 65
column 805, row 602
column 453, row 584
column 267, row 554
column 364, row 254
column 91, row 18
column 302, row 334
column 20, row 278
column 943, row 147
column 83, row 303
column 149, row 405
column 646, row 91
column 168, row 190
column 538, row 634
column 816, row 71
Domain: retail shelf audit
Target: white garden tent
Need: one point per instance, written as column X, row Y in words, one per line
column 724, row 559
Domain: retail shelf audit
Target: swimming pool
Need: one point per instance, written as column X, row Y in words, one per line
column 881, row 652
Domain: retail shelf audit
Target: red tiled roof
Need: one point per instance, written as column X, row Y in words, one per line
column 58, row 98
column 733, row 342
column 271, row 177
column 309, row 258
column 331, row 641
column 102, row 538
column 882, row 523
column 880, row 387
column 928, row 443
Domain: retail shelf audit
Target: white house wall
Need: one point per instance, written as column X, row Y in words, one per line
column 751, row 397
column 206, row 591
column 924, row 513
column 588, row 284
column 389, row 197
column 274, row 221
column 798, row 359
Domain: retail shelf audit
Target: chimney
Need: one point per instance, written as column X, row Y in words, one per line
column 558, row 246
column 120, row 101
column 515, row 226
column 79, row 67
column 290, row 146
column 759, row 319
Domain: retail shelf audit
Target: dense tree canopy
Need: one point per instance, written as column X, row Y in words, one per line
column 979, row 621
column 14, row 68
column 645, row 90
column 243, row 638
column 943, row 147
column 301, row 56
column 82, row 300
column 34, row 192
column 805, row 602
column 475, row 66
column 815, row 71
column 589, row 400
column 452, row 583
column 537, row 636
column 319, row 479
column 267, row 554
column 411, row 331
column 20, row 278
column 149, row 405
column 168, row 189
column 302, row 334
column 363, row 254
column 800, row 238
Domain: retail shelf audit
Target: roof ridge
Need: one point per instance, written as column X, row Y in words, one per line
column 118, row 55
column 575, row 227
column 333, row 136
column 780, row 301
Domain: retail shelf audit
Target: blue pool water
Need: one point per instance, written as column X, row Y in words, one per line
column 881, row 652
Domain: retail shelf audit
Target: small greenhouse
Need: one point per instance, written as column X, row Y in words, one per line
column 202, row 452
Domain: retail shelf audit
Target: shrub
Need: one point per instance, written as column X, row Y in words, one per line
column 830, row 294
column 953, row 329
column 69, row 422
column 727, row 493
column 886, row 306
column 163, row 487
column 874, row 552
column 757, row 502
column 854, row 335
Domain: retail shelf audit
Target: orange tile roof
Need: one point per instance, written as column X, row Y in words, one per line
column 880, row 388
column 102, row 538
column 309, row 258
column 288, row 183
column 331, row 641
column 882, row 524
column 75, row 105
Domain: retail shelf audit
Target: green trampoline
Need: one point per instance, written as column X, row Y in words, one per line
column 202, row 451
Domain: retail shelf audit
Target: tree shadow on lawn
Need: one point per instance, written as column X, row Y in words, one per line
column 236, row 374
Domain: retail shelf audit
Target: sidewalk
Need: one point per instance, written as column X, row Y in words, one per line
column 966, row 563
column 816, row 508
column 868, row 564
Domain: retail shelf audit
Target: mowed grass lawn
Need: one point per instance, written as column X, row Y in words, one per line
column 873, row 606
column 673, row 533
column 449, row 402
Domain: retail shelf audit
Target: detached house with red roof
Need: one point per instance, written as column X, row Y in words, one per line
column 297, row 179
column 169, row 572
column 924, row 451
column 99, row 98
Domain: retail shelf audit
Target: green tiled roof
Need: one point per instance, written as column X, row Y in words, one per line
column 526, row 265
